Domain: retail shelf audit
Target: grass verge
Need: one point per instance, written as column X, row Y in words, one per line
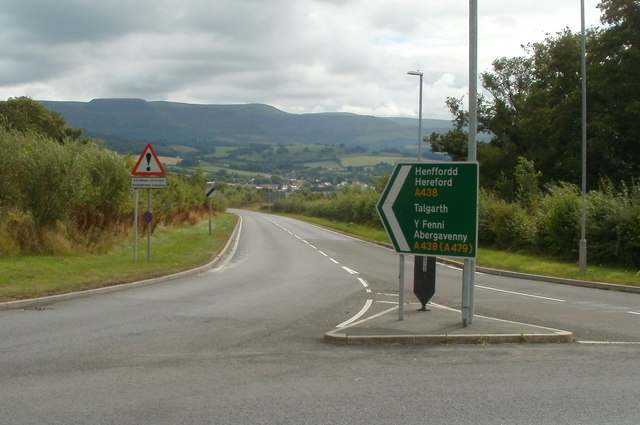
column 172, row 250
column 503, row 260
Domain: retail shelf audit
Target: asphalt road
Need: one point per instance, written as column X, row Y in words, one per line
column 242, row 344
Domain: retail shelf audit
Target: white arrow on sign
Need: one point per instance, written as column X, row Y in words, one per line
column 387, row 207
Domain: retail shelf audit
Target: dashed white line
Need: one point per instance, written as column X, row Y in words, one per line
column 634, row 312
column 348, row 270
column 365, row 284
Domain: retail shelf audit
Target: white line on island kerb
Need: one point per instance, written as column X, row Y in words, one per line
column 359, row 314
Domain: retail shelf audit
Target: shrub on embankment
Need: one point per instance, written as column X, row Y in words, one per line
column 75, row 196
column 544, row 221
column 352, row 204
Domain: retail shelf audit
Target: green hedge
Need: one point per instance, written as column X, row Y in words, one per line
column 58, row 197
column 544, row 222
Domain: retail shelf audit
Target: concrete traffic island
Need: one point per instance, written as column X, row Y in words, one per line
column 441, row 325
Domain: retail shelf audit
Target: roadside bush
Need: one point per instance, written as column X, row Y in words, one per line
column 613, row 225
column 559, row 221
column 352, row 204
column 236, row 196
column 75, row 196
column 504, row 225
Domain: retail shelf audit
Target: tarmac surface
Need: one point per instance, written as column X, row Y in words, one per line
column 441, row 325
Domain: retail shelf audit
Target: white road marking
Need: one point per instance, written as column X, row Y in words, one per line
column 521, row 294
column 348, row 270
column 365, row 284
column 233, row 249
column 634, row 312
column 359, row 314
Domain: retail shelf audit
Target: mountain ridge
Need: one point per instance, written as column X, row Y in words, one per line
column 166, row 122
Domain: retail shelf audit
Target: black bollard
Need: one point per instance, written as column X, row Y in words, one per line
column 424, row 279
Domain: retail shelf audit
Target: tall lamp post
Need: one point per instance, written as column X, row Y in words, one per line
column 469, row 269
column 420, row 266
column 582, row 254
column 418, row 73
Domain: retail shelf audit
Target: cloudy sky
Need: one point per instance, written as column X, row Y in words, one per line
column 297, row 55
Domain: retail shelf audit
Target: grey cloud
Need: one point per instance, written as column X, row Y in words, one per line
column 72, row 21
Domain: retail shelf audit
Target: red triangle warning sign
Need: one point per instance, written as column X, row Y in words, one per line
column 148, row 164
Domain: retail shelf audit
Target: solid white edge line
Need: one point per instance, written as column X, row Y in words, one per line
column 233, row 249
column 521, row 294
column 365, row 308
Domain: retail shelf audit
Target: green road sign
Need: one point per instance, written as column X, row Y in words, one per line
column 432, row 208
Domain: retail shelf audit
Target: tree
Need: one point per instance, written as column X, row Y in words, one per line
column 24, row 115
column 533, row 107
column 614, row 92
column 453, row 142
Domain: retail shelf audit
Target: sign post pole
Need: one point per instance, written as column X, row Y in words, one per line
column 135, row 224
column 149, row 225
column 148, row 164
column 469, row 277
column 210, row 192
column 401, row 288
column 209, row 216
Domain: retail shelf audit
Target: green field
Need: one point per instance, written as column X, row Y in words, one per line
column 215, row 168
column 369, row 160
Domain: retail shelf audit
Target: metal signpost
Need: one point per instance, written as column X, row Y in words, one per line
column 148, row 164
column 210, row 192
column 431, row 209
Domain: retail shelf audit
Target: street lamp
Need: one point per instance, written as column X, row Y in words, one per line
column 418, row 73
column 582, row 246
column 420, row 264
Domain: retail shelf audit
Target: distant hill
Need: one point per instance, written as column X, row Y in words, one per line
column 196, row 125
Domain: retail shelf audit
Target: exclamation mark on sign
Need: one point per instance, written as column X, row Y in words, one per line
column 148, row 162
